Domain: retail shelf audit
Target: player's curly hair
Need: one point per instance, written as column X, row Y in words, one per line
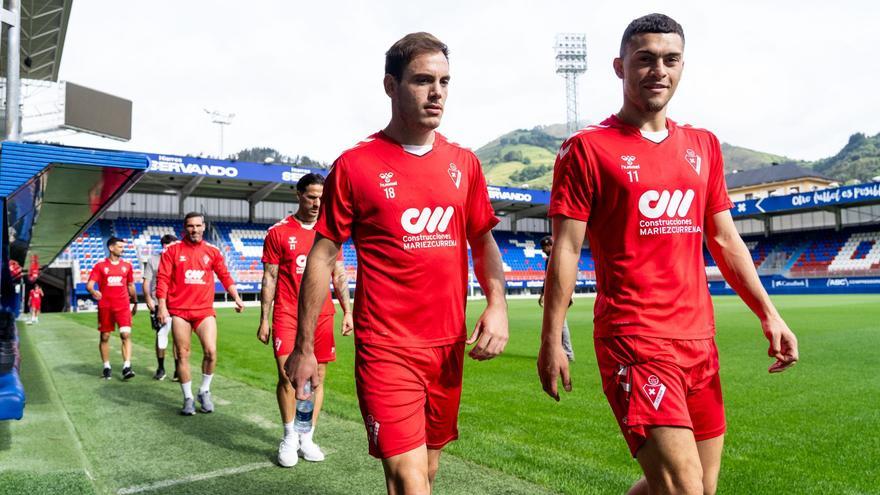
column 409, row 47
column 651, row 23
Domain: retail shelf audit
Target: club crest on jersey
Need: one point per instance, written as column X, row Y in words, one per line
column 206, row 259
column 654, row 390
column 106, row 270
column 694, row 160
column 291, row 241
column 386, row 179
column 454, row 174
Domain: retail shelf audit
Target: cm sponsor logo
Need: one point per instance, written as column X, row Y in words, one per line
column 416, row 221
column 654, row 204
column 195, row 277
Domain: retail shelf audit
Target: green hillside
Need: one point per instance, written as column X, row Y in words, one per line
column 525, row 158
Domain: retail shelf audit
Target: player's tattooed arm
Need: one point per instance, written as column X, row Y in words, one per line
column 340, row 287
column 735, row 262
column 267, row 297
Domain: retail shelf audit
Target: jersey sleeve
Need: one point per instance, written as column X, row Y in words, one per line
column 337, row 205
column 163, row 276
column 95, row 275
column 222, row 271
column 271, row 249
column 480, row 214
column 717, row 198
column 572, row 193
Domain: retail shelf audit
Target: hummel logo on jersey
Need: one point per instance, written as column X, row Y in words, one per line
column 114, row 280
column 693, row 160
column 454, row 174
column 301, row 263
column 182, row 258
column 195, row 277
column 629, row 159
column 564, row 151
column 653, row 204
column 416, row 221
column 655, row 391
column 386, row 179
column 291, row 241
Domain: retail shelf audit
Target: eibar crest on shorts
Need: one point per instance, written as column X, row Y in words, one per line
column 372, row 429
column 655, row 391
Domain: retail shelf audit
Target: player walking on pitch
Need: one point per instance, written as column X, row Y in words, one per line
column 36, row 302
column 151, row 270
column 185, row 290
column 648, row 191
column 412, row 201
column 285, row 249
column 115, row 280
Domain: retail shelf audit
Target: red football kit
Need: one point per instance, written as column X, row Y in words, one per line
column 287, row 245
column 112, row 280
column 186, row 279
column 646, row 205
column 36, row 299
column 410, row 218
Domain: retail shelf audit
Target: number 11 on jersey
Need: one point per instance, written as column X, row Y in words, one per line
column 633, row 175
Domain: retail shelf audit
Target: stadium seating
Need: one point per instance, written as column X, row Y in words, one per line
column 851, row 252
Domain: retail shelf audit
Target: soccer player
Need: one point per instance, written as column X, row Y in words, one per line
column 36, row 298
column 546, row 247
column 412, row 201
column 151, row 269
column 115, row 282
column 185, row 291
column 285, row 249
column 648, row 191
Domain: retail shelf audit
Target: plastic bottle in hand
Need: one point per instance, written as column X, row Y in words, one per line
column 302, row 422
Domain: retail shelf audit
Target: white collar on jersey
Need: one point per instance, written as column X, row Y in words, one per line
column 655, row 137
column 417, row 150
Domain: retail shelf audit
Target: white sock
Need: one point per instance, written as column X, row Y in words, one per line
column 206, row 383
column 126, row 364
column 106, row 364
column 307, row 437
column 187, row 389
column 289, row 431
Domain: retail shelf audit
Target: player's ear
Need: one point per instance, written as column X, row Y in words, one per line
column 390, row 84
column 618, row 66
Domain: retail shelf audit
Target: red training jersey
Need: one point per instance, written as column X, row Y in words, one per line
column 646, row 205
column 287, row 245
column 35, row 295
column 112, row 279
column 186, row 275
column 410, row 218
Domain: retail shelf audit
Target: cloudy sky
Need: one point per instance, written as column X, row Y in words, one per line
column 788, row 77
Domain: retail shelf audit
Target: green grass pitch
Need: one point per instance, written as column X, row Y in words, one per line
column 812, row 429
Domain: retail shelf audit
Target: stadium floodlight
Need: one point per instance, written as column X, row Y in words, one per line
column 222, row 120
column 571, row 62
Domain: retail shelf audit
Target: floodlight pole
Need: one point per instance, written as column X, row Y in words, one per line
column 571, row 62
column 12, row 18
column 222, row 120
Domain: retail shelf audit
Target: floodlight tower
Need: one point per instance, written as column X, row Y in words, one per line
column 222, row 120
column 571, row 62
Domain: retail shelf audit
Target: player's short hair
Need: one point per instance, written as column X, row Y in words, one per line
column 546, row 241
column 167, row 239
column 113, row 240
column 409, row 47
column 651, row 23
column 309, row 180
column 193, row 214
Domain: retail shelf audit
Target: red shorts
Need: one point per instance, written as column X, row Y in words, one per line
column 661, row 382
column 409, row 396
column 35, row 304
column 284, row 337
column 193, row 317
column 109, row 317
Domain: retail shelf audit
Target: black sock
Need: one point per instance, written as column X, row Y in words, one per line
column 161, row 363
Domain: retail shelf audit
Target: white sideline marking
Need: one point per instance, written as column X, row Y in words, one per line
column 195, row 477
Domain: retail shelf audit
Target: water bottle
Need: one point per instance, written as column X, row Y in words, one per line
column 302, row 422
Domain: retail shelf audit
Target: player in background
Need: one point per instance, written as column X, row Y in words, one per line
column 411, row 201
column 185, row 291
column 115, row 290
column 36, row 302
column 151, row 269
column 285, row 250
column 546, row 247
column 648, row 191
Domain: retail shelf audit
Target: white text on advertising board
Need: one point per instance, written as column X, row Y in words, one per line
column 175, row 165
column 497, row 193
